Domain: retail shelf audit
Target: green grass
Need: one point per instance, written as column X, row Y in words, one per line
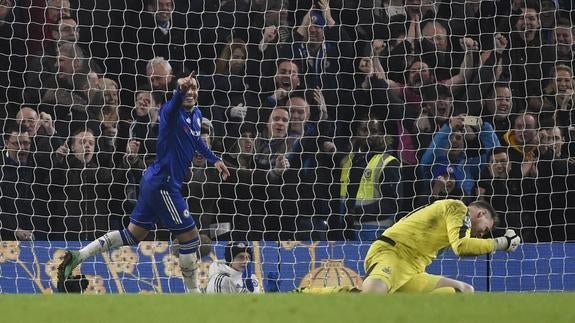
column 293, row 308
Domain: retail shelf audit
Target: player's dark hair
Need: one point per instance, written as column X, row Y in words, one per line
column 488, row 207
column 234, row 248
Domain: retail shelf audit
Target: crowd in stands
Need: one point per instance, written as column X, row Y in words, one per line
column 336, row 117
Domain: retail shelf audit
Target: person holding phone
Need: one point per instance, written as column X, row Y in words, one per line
column 468, row 155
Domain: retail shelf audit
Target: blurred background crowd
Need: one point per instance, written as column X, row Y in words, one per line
column 337, row 117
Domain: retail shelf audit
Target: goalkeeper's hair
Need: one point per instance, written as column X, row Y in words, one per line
column 488, row 207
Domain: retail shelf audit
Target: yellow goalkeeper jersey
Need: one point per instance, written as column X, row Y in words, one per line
column 428, row 229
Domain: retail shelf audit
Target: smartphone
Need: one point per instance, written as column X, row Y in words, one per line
column 472, row 121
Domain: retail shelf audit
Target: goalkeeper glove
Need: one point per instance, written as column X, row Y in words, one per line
column 509, row 242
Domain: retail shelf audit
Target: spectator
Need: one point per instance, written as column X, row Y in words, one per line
column 156, row 31
column 312, row 157
column 141, row 131
column 522, row 147
column 286, row 80
column 212, row 25
column 17, row 170
column 529, row 59
column 436, row 110
column 275, row 142
column 498, row 109
column 557, row 95
column 326, row 54
column 230, row 92
column 420, row 8
column 250, row 190
column 419, row 74
column 241, row 154
column 463, row 144
column 271, row 150
column 13, row 52
column 554, row 187
column 64, row 30
column 374, row 97
column 66, row 93
column 351, row 165
column 42, row 132
column 380, row 190
column 161, row 78
column 240, row 192
column 108, row 118
column 522, row 141
column 548, row 17
column 563, row 40
column 80, row 190
column 299, row 115
column 55, row 10
column 271, row 32
column 495, row 186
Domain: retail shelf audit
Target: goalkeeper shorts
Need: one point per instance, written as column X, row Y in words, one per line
column 390, row 264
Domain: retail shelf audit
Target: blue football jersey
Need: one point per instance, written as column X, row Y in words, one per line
column 178, row 140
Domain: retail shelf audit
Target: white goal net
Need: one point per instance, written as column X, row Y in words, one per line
column 336, row 118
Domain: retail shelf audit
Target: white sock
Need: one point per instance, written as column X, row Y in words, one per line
column 109, row 241
column 189, row 267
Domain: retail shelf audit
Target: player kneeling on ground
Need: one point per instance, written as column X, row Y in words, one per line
column 396, row 261
column 233, row 276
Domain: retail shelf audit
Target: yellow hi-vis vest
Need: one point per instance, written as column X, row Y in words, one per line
column 369, row 188
column 344, row 177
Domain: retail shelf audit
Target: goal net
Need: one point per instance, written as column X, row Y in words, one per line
column 336, row 118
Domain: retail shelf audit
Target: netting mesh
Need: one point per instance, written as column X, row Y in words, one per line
column 335, row 121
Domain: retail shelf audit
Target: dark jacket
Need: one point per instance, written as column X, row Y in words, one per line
column 79, row 199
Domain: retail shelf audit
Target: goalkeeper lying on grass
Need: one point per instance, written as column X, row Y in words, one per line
column 396, row 261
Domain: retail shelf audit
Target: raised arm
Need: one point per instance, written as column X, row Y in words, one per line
column 170, row 108
column 466, row 68
column 377, row 48
column 459, row 232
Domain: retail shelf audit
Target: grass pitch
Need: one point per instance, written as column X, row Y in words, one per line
column 292, row 308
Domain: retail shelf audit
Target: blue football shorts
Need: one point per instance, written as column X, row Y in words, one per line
column 158, row 202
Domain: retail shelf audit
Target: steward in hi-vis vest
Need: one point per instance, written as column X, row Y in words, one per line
column 380, row 190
